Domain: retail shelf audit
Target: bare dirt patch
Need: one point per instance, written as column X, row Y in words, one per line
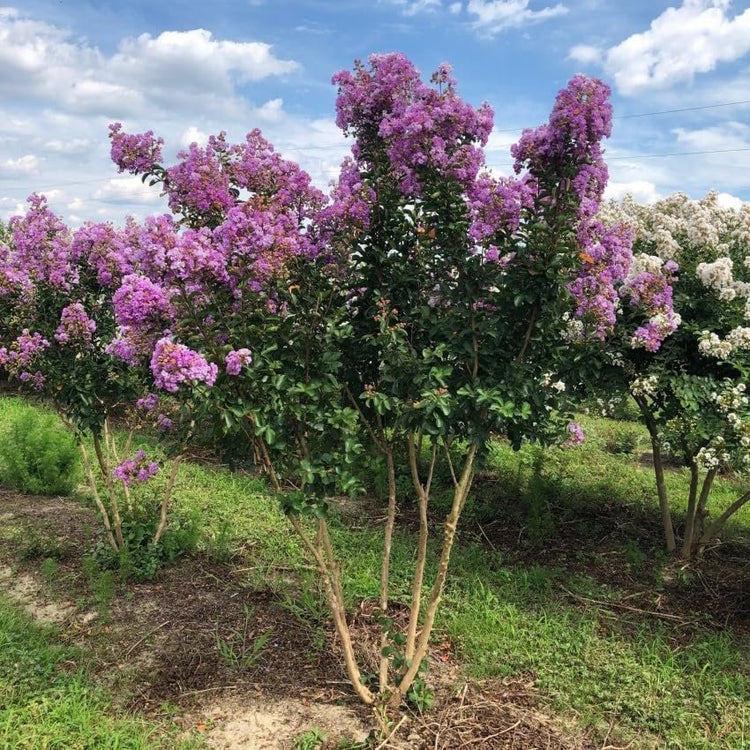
column 28, row 593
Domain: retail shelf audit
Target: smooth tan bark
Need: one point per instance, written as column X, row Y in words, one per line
column 165, row 500
column 336, row 604
column 97, row 497
column 661, row 486
column 385, row 568
column 423, row 493
column 449, row 534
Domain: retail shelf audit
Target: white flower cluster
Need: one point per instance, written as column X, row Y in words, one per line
column 573, row 328
column 712, row 458
column 718, row 276
column 710, row 345
column 558, row 385
column 645, row 263
column 731, row 398
column 645, row 386
column 739, row 338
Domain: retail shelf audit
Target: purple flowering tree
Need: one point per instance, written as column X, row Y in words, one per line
column 424, row 305
column 471, row 295
column 56, row 334
column 681, row 348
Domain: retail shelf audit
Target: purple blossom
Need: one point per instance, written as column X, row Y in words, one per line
column 164, row 423
column 136, row 153
column 136, row 469
column 148, row 403
column 106, row 250
column 575, row 434
column 173, row 364
column 198, row 182
column 423, row 128
column 22, row 353
column 236, row 360
column 142, row 304
column 41, row 247
column 75, row 326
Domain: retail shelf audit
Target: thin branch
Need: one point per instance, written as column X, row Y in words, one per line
column 165, row 500
column 97, row 498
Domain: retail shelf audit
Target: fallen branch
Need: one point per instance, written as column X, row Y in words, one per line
column 628, row 608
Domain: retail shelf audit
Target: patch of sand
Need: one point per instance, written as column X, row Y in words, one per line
column 28, row 593
column 273, row 725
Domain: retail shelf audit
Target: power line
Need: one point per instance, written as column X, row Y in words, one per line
column 651, row 114
column 682, row 109
column 678, row 153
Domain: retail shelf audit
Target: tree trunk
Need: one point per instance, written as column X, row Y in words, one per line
column 661, row 486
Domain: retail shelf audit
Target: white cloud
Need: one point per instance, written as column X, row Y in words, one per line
column 725, row 200
column 455, row 8
column 642, row 191
column 193, row 135
column 22, row 165
column 413, row 7
column 586, row 54
column 128, row 190
column 70, row 147
column 729, row 135
column 176, row 69
column 494, row 16
column 680, row 43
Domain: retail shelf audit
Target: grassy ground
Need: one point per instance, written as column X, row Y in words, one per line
column 558, row 578
column 47, row 702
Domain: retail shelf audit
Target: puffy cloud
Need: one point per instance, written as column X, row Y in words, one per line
column 128, row 190
column 642, row 191
column 680, row 43
column 494, row 16
column 173, row 69
column 585, row 54
column 22, row 165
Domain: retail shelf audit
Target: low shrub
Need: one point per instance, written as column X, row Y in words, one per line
column 37, row 454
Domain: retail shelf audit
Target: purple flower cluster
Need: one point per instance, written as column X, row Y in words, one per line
column 130, row 345
column 148, row 403
column 606, row 253
column 580, row 119
column 75, row 326
column 423, row 128
column 256, row 167
column 41, row 247
column 497, row 205
column 18, row 358
column 174, row 364
column 105, row 250
column 199, row 182
column 236, row 360
column 142, row 304
column 136, row 469
column 650, row 292
column 575, row 435
column 134, row 153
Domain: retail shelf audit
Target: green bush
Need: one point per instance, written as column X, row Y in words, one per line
column 37, row 454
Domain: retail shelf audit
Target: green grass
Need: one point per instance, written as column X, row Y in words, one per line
column 47, row 701
column 666, row 687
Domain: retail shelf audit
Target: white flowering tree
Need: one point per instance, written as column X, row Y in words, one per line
column 687, row 364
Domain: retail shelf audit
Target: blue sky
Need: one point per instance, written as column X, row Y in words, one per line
column 188, row 68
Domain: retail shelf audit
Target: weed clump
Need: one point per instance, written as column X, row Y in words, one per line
column 37, row 455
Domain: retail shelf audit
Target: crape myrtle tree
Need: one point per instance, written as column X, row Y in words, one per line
column 56, row 329
column 687, row 366
column 424, row 303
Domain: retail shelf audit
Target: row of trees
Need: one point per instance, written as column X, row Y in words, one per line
column 422, row 303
